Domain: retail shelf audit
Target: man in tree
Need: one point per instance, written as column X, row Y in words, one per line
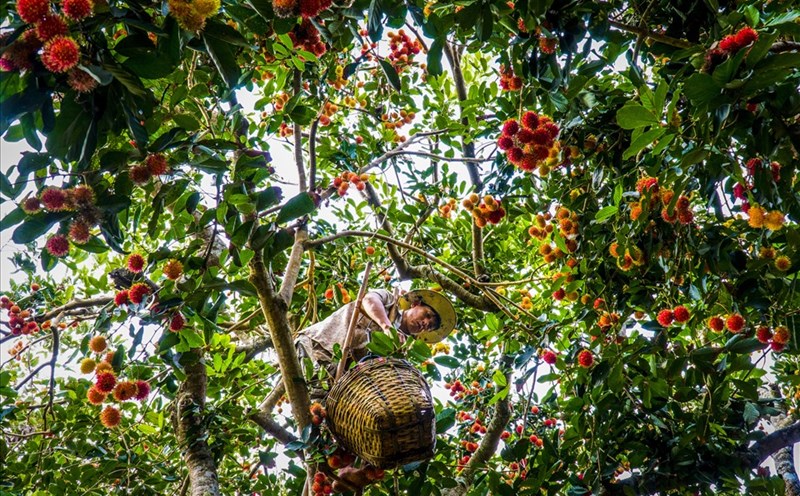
column 422, row 314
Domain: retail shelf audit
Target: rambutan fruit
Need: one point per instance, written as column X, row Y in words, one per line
column 685, row 217
column 81, row 81
column 140, row 174
column 525, row 136
column 54, row 199
column 32, row 11
column 552, row 130
column 776, row 347
column 104, row 367
column 783, row 263
column 559, row 294
column 81, row 195
column 528, row 162
column 177, row 322
column 540, row 136
column 79, row 232
column 665, row 317
column 505, row 143
column 756, row 214
column 495, row 216
column 753, row 165
column 541, row 152
column 121, row 298
column 105, row 382
column 87, row 365
column 667, row 217
column 515, row 155
column 310, row 8
column 98, row 344
column 549, row 357
column 681, row 314
column 157, row 164
column 142, row 390
column 781, row 335
column 173, row 269
column 206, row 8
column 530, row 120
column 510, row 127
column 60, row 54
column 774, row 220
column 138, row 292
column 284, row 8
column 745, row 36
column 77, row 9
column 729, row 44
column 95, row 397
column 585, row 359
column 110, row 417
column 682, row 203
column 735, row 323
column 124, row 390
column 135, row 263
column 50, row 26
column 57, row 246
column 763, row 334
column 31, row 205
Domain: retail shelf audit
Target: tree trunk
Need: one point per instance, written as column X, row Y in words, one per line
column 192, row 434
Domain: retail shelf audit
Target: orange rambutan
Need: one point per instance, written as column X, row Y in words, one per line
column 124, row 390
column 79, row 232
column 60, row 54
column 98, row 344
column 95, row 397
column 284, row 8
column 138, row 292
column 173, row 269
column 781, row 335
column 81, row 81
column 110, row 417
column 783, row 263
column 104, row 367
column 774, row 220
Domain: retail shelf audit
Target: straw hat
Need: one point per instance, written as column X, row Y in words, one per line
column 440, row 304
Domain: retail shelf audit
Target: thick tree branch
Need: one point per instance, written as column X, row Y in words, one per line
column 275, row 310
column 766, row 446
column 254, row 347
column 293, row 266
column 641, row 31
column 192, row 433
column 75, row 304
column 489, row 443
column 784, row 46
column 273, row 428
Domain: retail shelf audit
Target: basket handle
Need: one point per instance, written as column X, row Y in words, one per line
column 348, row 340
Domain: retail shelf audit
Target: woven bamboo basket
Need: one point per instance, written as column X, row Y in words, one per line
column 382, row 411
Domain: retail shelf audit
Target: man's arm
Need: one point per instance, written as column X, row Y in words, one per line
column 373, row 307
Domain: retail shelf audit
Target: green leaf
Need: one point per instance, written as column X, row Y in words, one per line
column 435, row 57
column 13, row 218
column 224, row 58
column 192, row 338
column 633, row 116
column 374, row 20
column 391, row 75
column 644, row 140
column 94, row 245
column 32, row 162
column 750, row 413
column 744, row 346
column 701, row 88
column 447, row 361
column 605, row 213
column 36, row 226
column 297, row 206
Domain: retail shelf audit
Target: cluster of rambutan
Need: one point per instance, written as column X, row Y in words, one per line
column 530, row 143
column 136, row 294
column 339, row 82
column 542, row 226
column 106, row 383
column 547, row 45
column 305, row 8
column 342, row 290
column 318, row 413
column 79, row 199
column 607, row 320
column 20, row 322
column 780, row 262
column 321, row 485
column 679, row 315
column 446, row 210
column 777, row 338
column 729, row 45
column 327, row 112
column 632, row 257
column 734, row 322
column 192, row 16
column 652, row 195
column 50, row 32
column 760, row 218
column 754, row 165
column 346, row 179
column 306, row 36
column 396, row 120
column 508, row 80
column 456, row 388
column 516, row 470
column 16, row 350
column 154, row 165
column 486, row 210
column 402, row 49
column 440, row 348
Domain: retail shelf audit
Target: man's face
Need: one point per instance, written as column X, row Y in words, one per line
column 419, row 318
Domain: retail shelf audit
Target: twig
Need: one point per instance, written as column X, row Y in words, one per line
column 348, row 340
column 99, row 301
column 667, row 40
column 298, row 137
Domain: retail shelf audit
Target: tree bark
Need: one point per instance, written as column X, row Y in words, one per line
column 192, row 433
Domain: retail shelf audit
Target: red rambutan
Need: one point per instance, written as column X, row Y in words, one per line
column 135, row 263
column 551, row 128
column 81, row 195
column 735, row 323
column 525, row 136
column 60, row 54
column 54, row 199
column 745, row 36
column 310, row 8
column 585, row 359
column 549, row 357
column 541, row 136
column 31, row 205
column 681, row 314
column 140, row 174
column 505, row 143
column 716, row 323
column 77, row 9
column 665, row 317
column 57, row 246
column 763, row 334
column 31, row 11
column 541, row 152
column 51, row 26
column 510, row 127
column 142, row 390
column 81, row 81
column 776, row 347
column 105, row 382
column 176, row 322
column 528, row 162
column 79, row 232
column 110, row 417
column 121, row 298
column 515, row 155
column 138, row 292
column 530, row 120
column 157, row 164
column 729, row 44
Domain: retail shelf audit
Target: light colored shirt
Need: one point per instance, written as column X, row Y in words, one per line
column 318, row 340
